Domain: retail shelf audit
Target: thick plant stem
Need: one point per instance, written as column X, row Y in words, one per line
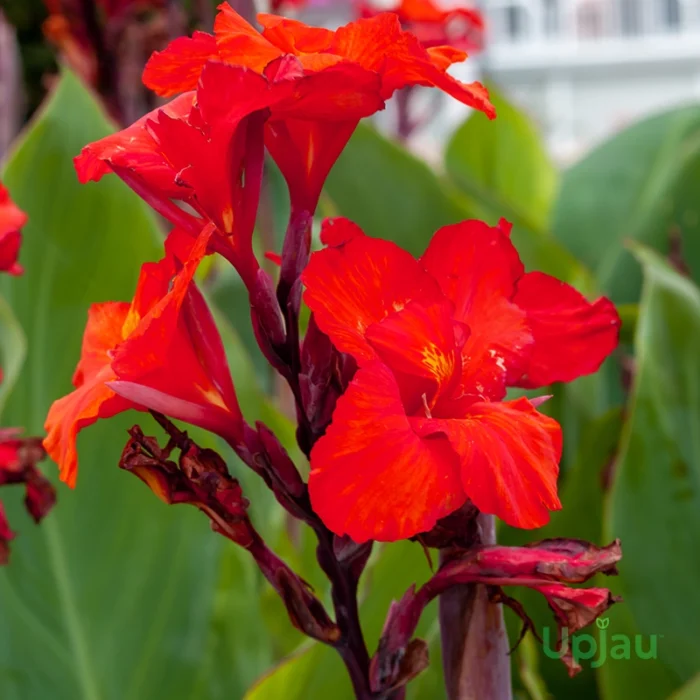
column 474, row 639
column 351, row 647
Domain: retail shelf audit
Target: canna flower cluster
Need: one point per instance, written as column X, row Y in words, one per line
column 400, row 380
column 18, row 455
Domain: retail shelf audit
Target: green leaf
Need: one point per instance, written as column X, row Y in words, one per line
column 390, row 193
column 655, row 502
column 690, row 691
column 13, row 349
column 628, row 188
column 503, row 170
column 110, row 598
column 528, row 665
column 503, row 165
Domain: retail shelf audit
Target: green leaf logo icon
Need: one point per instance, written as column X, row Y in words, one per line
column 602, row 622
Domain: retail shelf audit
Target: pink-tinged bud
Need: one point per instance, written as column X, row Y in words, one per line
column 543, row 566
column 200, row 477
column 280, row 466
column 268, row 322
column 318, row 380
column 561, row 560
column 18, row 459
column 305, row 611
column 6, row 535
column 295, row 251
column 574, row 609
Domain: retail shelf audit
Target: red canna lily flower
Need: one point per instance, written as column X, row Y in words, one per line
column 422, row 426
column 306, row 147
column 161, row 352
column 377, row 44
column 206, row 148
column 12, row 218
column 460, row 27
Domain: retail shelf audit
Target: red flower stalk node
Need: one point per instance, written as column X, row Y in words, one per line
column 545, row 567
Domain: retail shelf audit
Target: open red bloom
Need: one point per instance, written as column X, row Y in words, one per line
column 161, row 352
column 206, row 148
column 422, row 426
column 11, row 221
column 377, row 44
column 460, row 27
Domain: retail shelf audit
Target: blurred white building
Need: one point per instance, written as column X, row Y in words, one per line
column 585, row 68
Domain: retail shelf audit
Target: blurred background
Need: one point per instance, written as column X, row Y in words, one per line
column 594, row 157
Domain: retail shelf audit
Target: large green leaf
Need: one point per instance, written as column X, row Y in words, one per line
column 390, row 193
column 13, row 348
column 110, row 598
column 504, row 165
column 655, row 502
column 503, row 170
column 628, row 188
column 690, row 691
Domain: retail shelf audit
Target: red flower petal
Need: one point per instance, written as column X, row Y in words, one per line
column 379, row 44
column 79, row 409
column 12, row 219
column 177, row 68
column 510, row 459
column 307, row 132
column 241, row 44
column 152, row 322
column 477, row 268
column 444, row 56
column 310, row 44
column 371, row 476
column 419, row 342
column 351, row 287
column 103, row 333
column 10, row 244
column 572, row 336
column 91, row 399
column 136, row 149
column 338, row 230
column 153, row 343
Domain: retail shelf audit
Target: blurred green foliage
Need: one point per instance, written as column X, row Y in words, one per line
column 117, row 596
